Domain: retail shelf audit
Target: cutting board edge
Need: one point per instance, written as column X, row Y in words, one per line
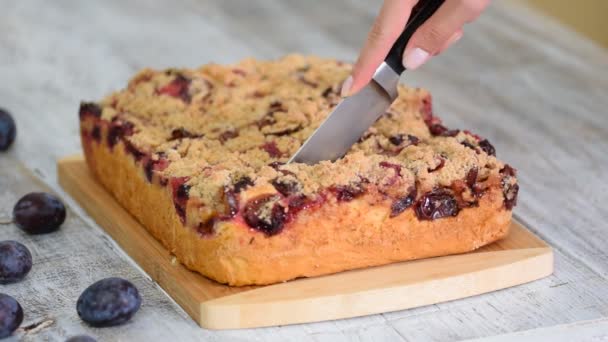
column 236, row 312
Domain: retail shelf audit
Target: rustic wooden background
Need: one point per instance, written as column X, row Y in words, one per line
column 538, row 91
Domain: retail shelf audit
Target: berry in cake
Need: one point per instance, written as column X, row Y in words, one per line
column 437, row 204
column 265, row 214
column 509, row 186
column 487, row 147
column 402, row 203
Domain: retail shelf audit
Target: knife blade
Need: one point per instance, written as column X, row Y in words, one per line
column 355, row 114
column 348, row 121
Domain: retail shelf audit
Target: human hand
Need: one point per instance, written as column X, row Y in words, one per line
column 441, row 30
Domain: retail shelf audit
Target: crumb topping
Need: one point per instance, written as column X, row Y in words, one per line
column 220, row 124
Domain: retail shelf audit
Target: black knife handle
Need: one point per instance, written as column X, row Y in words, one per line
column 423, row 10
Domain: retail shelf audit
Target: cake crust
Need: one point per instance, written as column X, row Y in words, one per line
column 333, row 238
column 441, row 193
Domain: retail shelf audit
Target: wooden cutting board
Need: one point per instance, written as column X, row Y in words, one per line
column 519, row 258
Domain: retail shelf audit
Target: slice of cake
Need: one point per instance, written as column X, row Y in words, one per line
column 198, row 157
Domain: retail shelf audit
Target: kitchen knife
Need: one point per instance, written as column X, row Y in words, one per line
column 355, row 114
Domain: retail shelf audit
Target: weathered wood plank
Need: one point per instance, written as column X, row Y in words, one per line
column 593, row 330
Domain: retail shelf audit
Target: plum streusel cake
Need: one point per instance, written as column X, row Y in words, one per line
column 198, row 157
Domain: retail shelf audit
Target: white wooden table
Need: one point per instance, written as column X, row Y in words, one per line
column 538, row 91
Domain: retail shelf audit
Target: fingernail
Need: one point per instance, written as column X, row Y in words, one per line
column 453, row 39
column 414, row 58
column 456, row 37
column 348, row 83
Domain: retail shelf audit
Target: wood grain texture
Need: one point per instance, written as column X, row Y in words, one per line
column 592, row 330
column 519, row 258
column 535, row 89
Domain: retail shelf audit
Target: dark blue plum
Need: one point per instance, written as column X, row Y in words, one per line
column 15, row 261
column 8, row 130
column 81, row 338
column 108, row 302
column 11, row 315
column 39, row 213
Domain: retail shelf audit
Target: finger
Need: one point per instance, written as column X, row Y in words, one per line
column 437, row 30
column 386, row 29
column 451, row 41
